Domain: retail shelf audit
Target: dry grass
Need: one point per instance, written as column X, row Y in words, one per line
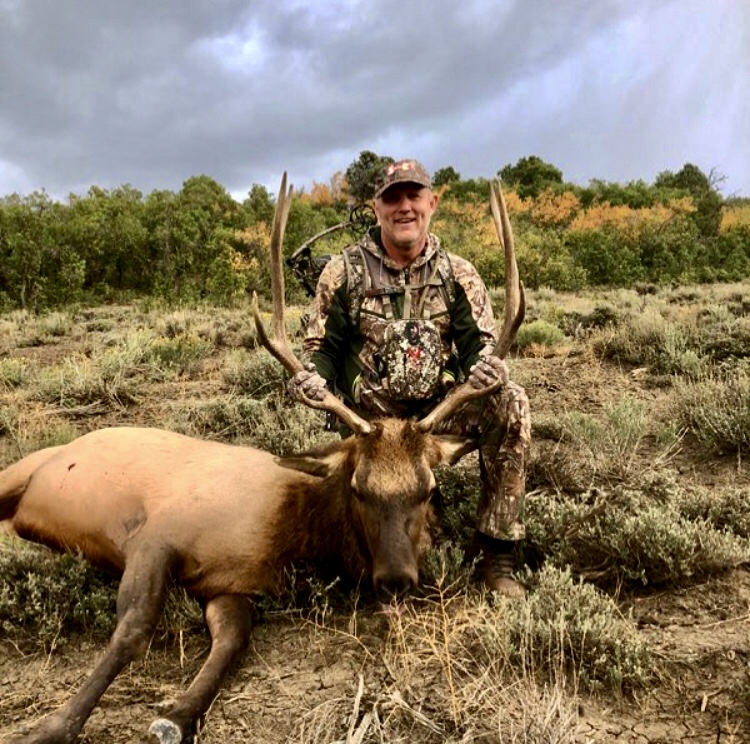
column 456, row 666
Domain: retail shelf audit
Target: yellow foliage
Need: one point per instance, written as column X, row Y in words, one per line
column 735, row 216
column 515, row 204
column 627, row 219
column 257, row 238
column 326, row 194
column 257, row 235
column 551, row 208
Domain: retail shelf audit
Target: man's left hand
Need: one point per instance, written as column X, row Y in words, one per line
column 487, row 372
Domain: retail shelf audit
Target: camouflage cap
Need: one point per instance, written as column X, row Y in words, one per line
column 404, row 171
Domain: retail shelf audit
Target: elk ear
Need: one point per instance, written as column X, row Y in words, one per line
column 450, row 448
column 321, row 463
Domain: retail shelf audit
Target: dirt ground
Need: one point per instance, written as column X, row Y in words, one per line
column 296, row 669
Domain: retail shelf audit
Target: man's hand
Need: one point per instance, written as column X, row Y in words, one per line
column 488, row 371
column 307, row 384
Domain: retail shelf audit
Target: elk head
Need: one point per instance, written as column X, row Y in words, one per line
column 390, row 461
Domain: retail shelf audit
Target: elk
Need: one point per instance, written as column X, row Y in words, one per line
column 226, row 521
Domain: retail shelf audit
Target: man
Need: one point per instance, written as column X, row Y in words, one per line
column 395, row 320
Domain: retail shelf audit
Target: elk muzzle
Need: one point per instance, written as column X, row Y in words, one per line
column 395, row 556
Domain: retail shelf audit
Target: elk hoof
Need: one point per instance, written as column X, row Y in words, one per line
column 166, row 731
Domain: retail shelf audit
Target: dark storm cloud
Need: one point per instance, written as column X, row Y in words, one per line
column 106, row 93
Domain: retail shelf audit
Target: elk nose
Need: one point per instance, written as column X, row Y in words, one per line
column 393, row 587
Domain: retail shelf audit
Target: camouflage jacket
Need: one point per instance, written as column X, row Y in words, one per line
column 344, row 345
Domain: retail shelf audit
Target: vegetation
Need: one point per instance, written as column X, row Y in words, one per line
column 637, row 483
column 199, row 244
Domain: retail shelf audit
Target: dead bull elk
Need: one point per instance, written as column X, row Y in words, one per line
column 225, row 521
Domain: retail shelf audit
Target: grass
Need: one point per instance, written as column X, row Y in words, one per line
column 605, row 447
column 14, row 373
column 608, row 514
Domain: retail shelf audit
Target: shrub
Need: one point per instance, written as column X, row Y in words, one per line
column 717, row 410
column 270, row 424
column 14, row 372
column 79, row 380
column 539, row 333
column 647, row 338
column 459, row 489
column 570, row 625
column 179, row 354
column 725, row 509
column 641, row 534
column 49, row 597
column 254, row 373
column 608, row 446
column 56, row 324
column 472, row 648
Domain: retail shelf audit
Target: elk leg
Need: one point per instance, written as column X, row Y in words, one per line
column 229, row 619
column 140, row 599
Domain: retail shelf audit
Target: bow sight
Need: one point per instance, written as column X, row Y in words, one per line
column 306, row 267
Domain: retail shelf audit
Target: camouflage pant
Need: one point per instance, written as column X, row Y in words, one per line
column 502, row 425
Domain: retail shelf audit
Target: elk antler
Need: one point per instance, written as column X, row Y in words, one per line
column 515, row 309
column 279, row 346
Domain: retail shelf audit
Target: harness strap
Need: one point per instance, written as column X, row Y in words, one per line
column 361, row 283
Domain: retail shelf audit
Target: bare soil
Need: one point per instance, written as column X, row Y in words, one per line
column 296, row 667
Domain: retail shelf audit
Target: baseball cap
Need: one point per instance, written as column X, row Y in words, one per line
column 404, row 171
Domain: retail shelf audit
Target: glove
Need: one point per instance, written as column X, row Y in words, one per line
column 307, row 384
column 488, row 371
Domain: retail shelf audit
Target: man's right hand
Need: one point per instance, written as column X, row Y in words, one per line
column 307, row 385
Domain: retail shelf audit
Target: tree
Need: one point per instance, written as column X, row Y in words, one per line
column 24, row 243
column 691, row 180
column 259, row 204
column 105, row 229
column 530, row 176
column 634, row 194
column 363, row 174
column 446, row 176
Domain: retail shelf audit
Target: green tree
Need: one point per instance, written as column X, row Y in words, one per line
column 31, row 258
column 469, row 190
column 634, row 194
column 445, row 176
column 727, row 258
column 692, row 181
column 105, row 229
column 204, row 206
column 670, row 251
column 606, row 259
column 363, row 174
column 530, row 176
column 259, row 204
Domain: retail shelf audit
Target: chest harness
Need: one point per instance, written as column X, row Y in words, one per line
column 408, row 362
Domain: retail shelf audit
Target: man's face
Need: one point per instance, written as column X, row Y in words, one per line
column 404, row 212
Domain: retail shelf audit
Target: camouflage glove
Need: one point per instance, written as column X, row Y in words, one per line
column 487, row 372
column 307, row 384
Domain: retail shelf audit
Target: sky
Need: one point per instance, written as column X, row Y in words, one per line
column 151, row 92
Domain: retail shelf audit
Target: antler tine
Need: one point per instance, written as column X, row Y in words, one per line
column 515, row 299
column 279, row 345
column 278, row 289
column 515, row 309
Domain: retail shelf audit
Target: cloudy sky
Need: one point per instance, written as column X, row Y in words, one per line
column 151, row 92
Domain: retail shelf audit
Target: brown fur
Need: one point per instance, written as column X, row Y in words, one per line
column 225, row 522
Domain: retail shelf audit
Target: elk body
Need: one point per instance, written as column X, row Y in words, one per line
column 226, row 522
